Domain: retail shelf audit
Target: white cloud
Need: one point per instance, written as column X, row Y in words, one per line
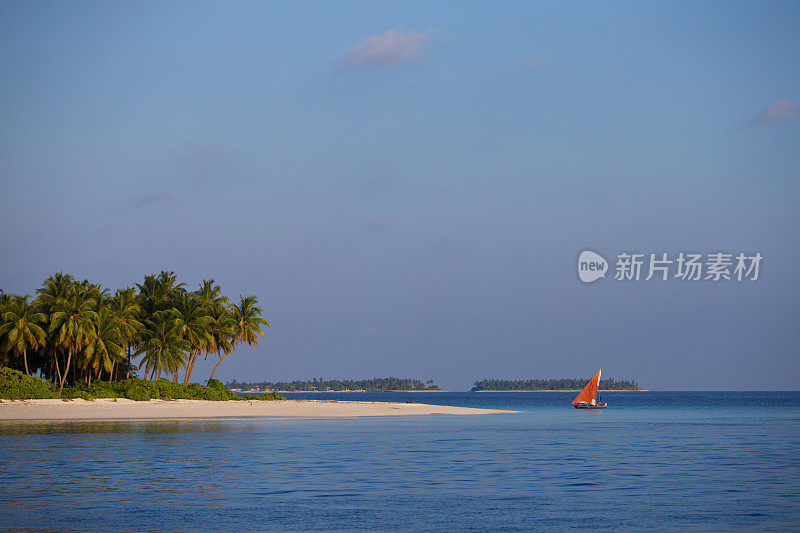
column 778, row 111
column 389, row 49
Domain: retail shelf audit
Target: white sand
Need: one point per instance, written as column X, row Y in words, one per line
column 124, row 409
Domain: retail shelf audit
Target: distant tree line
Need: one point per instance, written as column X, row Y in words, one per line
column 321, row 385
column 77, row 331
column 551, row 384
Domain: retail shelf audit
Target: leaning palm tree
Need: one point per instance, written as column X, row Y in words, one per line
column 247, row 321
column 72, row 325
column 191, row 315
column 105, row 349
column 163, row 347
column 20, row 328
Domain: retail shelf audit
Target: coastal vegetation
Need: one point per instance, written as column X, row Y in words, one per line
column 79, row 335
column 550, row 384
column 15, row 385
column 320, row 385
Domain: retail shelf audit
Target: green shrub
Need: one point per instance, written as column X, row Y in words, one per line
column 164, row 389
column 14, row 385
column 98, row 389
column 215, row 384
column 137, row 392
column 215, row 394
column 269, row 396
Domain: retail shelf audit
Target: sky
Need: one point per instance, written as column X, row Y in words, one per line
column 407, row 187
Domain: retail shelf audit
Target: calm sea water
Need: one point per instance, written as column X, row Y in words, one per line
column 651, row 461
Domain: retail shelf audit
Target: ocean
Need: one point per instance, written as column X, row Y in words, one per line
column 655, row 461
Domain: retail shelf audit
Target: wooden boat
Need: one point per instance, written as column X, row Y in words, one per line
column 587, row 398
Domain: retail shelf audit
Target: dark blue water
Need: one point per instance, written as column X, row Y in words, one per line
column 651, row 461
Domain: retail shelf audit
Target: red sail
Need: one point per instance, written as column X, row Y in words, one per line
column 589, row 392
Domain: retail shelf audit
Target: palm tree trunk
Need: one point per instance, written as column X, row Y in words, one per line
column 190, row 366
column 128, row 346
column 216, row 367
column 66, row 369
column 194, row 362
column 58, row 370
column 25, row 359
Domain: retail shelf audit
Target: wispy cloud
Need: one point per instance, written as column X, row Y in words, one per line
column 389, row 49
column 778, row 111
column 154, row 197
column 207, row 149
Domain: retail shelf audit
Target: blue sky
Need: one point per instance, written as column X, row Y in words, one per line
column 407, row 187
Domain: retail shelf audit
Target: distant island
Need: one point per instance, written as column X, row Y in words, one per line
column 335, row 385
column 550, row 384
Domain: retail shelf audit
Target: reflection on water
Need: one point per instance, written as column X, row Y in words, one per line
column 675, row 464
column 24, row 427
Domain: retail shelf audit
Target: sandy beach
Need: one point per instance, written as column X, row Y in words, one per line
column 124, row 409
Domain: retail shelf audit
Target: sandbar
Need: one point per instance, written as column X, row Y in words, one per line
column 124, row 409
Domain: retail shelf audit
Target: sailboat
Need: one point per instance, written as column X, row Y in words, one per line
column 587, row 398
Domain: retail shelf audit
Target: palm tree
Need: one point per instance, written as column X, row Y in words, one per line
column 72, row 324
column 95, row 292
column 54, row 288
column 212, row 294
column 222, row 334
column 149, row 294
column 191, row 315
column 104, row 349
column 247, row 324
column 126, row 305
column 20, row 327
column 158, row 292
column 163, row 346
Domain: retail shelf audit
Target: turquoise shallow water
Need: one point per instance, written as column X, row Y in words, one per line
column 652, row 461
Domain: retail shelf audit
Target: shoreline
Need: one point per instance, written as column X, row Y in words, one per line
column 124, row 409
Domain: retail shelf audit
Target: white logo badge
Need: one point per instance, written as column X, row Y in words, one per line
column 591, row 266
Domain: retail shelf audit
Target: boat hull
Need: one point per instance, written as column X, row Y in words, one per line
column 590, row 406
